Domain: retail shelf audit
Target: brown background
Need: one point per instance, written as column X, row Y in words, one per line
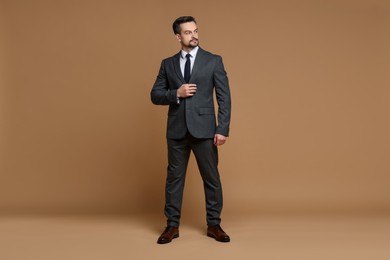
column 310, row 123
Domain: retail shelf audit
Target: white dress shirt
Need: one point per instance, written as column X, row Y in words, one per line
column 183, row 59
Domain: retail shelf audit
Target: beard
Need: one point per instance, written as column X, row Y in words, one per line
column 193, row 43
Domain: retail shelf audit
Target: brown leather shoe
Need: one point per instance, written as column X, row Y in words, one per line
column 217, row 233
column 168, row 234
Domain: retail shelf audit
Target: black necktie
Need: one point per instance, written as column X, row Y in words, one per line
column 187, row 69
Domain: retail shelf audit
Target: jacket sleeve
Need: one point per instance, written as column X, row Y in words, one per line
column 222, row 91
column 161, row 94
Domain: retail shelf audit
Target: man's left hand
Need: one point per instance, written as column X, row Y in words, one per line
column 219, row 139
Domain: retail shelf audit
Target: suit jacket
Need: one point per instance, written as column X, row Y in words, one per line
column 195, row 113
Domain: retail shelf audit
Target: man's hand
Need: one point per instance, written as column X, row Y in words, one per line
column 186, row 90
column 219, row 139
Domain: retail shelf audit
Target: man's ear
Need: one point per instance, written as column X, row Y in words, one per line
column 178, row 37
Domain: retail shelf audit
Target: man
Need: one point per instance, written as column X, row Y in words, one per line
column 186, row 82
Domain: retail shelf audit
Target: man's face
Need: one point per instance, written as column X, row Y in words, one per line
column 188, row 36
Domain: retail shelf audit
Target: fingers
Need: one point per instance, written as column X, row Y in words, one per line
column 191, row 90
column 187, row 90
column 219, row 139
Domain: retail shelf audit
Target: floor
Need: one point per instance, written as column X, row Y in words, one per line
column 134, row 237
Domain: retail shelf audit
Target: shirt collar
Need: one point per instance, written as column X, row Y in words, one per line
column 193, row 52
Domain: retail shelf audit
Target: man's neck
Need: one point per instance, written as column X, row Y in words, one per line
column 187, row 49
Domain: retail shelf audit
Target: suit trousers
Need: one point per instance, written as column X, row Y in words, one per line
column 206, row 154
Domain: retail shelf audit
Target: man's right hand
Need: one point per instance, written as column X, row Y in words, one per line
column 186, row 90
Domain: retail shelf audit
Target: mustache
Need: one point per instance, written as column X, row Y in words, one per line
column 193, row 38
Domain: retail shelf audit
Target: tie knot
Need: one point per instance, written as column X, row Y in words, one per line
column 188, row 56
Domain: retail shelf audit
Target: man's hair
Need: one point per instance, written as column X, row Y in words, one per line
column 184, row 19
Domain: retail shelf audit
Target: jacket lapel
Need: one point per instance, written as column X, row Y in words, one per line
column 176, row 65
column 199, row 61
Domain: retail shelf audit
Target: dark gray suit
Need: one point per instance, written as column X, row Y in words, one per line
column 191, row 126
